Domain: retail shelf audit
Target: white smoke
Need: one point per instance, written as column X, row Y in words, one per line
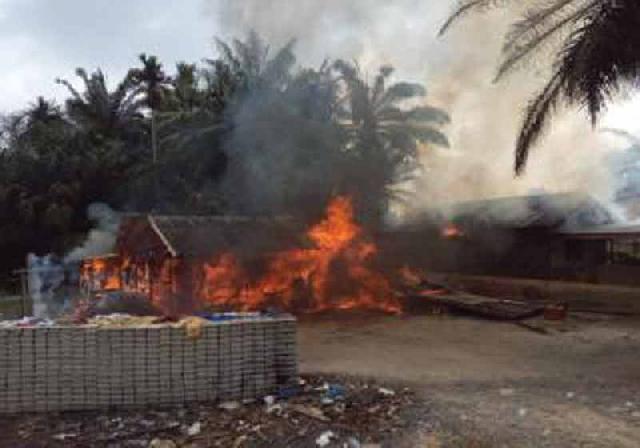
column 102, row 238
column 458, row 70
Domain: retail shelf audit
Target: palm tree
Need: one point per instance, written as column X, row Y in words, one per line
column 186, row 95
column 253, row 63
column 383, row 134
column 43, row 111
column 599, row 52
column 153, row 84
column 100, row 112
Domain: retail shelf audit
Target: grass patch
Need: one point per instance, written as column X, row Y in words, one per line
column 11, row 307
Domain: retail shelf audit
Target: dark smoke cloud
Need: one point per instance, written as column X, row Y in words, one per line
column 457, row 70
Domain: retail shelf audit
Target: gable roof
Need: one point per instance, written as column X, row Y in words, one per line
column 209, row 235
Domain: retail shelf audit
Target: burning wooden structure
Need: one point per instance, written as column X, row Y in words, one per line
column 162, row 256
column 558, row 236
column 242, row 263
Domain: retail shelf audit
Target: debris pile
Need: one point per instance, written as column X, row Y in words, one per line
column 124, row 320
column 316, row 412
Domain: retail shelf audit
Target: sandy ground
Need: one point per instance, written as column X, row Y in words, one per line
column 497, row 384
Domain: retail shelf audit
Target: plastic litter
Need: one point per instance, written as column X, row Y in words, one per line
column 324, row 439
column 290, row 391
column 335, row 391
column 386, row 392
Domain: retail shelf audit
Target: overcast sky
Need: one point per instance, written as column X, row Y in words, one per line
column 44, row 39
column 41, row 40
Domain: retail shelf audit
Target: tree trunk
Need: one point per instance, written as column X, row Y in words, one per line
column 154, row 138
column 154, row 150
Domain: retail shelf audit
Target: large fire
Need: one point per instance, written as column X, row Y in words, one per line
column 335, row 273
column 101, row 273
column 335, row 270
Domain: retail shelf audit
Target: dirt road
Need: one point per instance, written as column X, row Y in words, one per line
column 496, row 383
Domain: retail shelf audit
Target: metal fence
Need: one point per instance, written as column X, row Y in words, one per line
column 83, row 368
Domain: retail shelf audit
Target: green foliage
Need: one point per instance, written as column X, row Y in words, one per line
column 596, row 43
column 383, row 136
column 248, row 132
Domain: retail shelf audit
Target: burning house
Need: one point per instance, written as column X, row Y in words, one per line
column 524, row 236
column 184, row 263
column 162, row 257
column 566, row 236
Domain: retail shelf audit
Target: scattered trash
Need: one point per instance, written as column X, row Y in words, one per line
column 194, row 429
column 310, row 411
column 362, row 412
column 162, row 443
column 325, row 438
column 193, row 326
column 335, row 392
column 239, row 441
column 286, row 392
column 386, row 392
column 229, row 405
column 522, row 412
column 272, row 406
column 27, row 322
column 571, row 395
column 507, row 391
column 64, row 436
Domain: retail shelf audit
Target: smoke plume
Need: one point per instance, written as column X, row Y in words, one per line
column 458, row 70
column 102, row 238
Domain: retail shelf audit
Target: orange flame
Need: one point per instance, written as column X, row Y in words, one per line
column 100, row 274
column 334, row 274
column 452, row 231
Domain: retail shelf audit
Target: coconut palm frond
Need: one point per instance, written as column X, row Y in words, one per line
column 465, row 7
column 401, row 91
column 537, row 19
column 536, row 118
column 428, row 114
column 278, row 68
column 530, row 34
column 597, row 54
column 602, row 55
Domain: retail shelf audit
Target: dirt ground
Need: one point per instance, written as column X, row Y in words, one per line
column 496, row 384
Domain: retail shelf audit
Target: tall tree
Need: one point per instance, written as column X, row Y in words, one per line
column 599, row 51
column 101, row 113
column 384, row 134
column 255, row 65
column 153, row 84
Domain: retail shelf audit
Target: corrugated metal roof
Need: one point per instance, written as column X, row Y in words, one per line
column 606, row 231
column 553, row 211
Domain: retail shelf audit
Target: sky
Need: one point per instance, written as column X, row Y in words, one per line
column 41, row 40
